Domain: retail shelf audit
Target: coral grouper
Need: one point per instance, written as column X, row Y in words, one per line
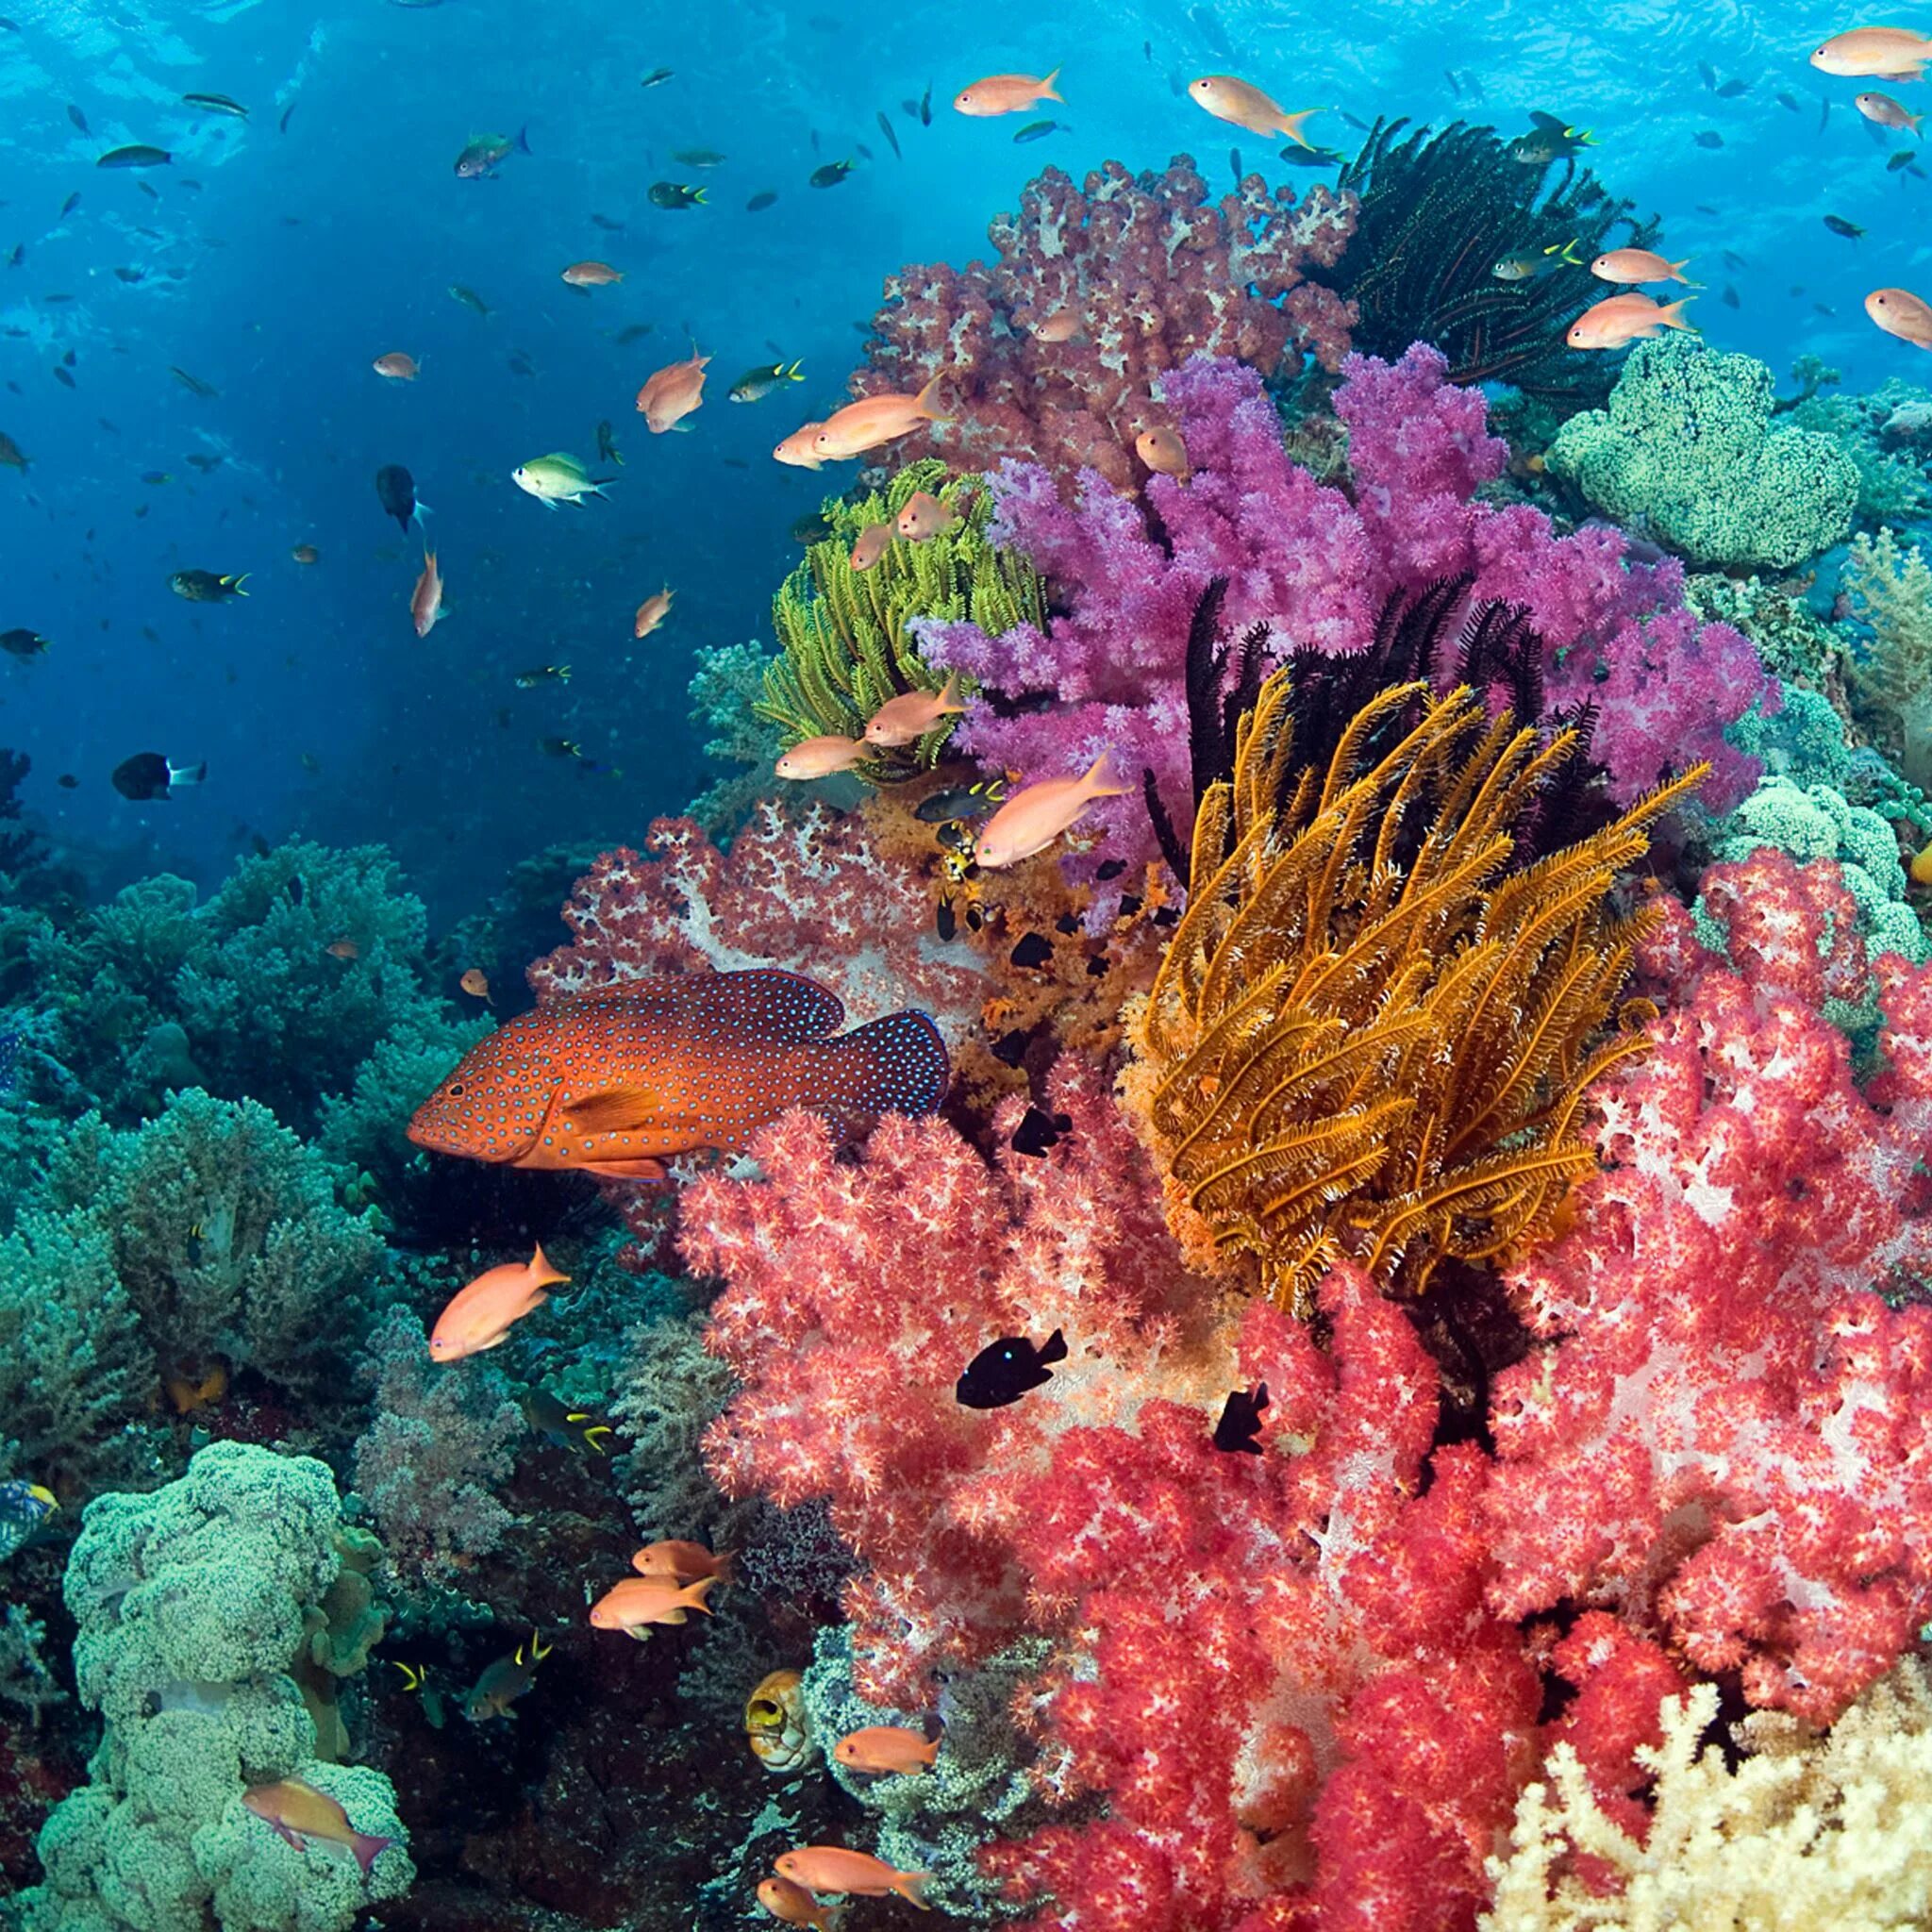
column 615, row 1082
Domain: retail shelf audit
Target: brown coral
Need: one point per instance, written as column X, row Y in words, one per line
column 1374, row 1029
column 1153, row 272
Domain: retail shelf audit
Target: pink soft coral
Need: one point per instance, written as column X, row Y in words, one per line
column 1730, row 1435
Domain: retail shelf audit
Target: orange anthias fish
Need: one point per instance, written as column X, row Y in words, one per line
column 870, row 544
column 299, row 1812
column 686, row 1561
column 475, row 982
column 818, row 758
column 1005, row 93
column 1620, row 318
column 1886, row 53
column 425, row 600
column 481, row 1315
column 1031, row 820
column 925, row 517
column 1638, row 265
column 592, row 274
column 1901, row 313
column 671, row 394
column 792, row 1905
column 396, row 366
column 886, row 1748
column 797, row 448
column 907, row 718
column 832, row 1868
column 638, row 1600
column 1164, row 453
column 1061, row 325
column 1244, row 105
column 616, row 1082
column 652, row 612
column 864, row 425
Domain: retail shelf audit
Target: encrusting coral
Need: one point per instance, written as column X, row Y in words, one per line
column 1370, row 1039
column 845, row 638
column 1806, row 1831
column 1890, row 588
column 1687, row 448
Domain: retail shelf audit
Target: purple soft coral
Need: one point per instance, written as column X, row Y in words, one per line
column 1315, row 569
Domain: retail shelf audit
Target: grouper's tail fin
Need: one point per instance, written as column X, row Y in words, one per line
column 895, row 1065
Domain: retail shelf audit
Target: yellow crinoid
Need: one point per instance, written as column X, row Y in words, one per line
column 1373, row 1029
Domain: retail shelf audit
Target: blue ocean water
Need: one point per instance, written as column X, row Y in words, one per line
column 278, row 256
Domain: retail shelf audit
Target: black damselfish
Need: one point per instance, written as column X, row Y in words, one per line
column 1239, row 1426
column 1002, row 1370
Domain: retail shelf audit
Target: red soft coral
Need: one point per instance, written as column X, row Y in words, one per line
column 1730, row 1437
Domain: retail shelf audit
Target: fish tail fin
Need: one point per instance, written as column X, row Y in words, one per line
column 1099, row 781
column 796, row 373
column 543, row 1274
column 923, row 402
column 727, row 1568
column 421, row 512
column 523, row 137
column 1568, row 253
column 910, row 1886
column 696, row 1593
column 1291, row 125
column 187, row 774
column 368, row 1848
column 949, row 693
column 1048, row 91
column 895, row 1065
column 235, row 583
column 697, row 194
column 1054, row 1349
column 1672, row 315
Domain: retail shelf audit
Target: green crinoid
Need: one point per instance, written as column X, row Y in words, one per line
column 844, row 634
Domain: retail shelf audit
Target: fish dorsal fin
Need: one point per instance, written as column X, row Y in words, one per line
column 610, row 1111
column 783, row 1008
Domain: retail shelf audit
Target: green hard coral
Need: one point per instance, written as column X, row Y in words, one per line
column 846, row 645
column 1687, row 449
column 193, row 1606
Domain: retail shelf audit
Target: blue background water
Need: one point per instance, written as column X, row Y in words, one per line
column 303, row 255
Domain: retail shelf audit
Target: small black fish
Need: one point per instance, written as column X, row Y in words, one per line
column 1312, row 157
column 149, row 775
column 65, row 378
column 657, row 77
column 607, row 451
column 1902, row 160
column 608, row 227
column 207, row 585
column 1824, row 112
column 675, row 194
column 1454, row 85
column 296, row 889
column 1033, row 951
column 1211, row 30
column 1729, row 297
column 763, row 199
column 910, row 109
column 1732, row 88
column 282, row 125
column 1005, row 1370
column 1039, row 1131
column 945, row 921
column 1703, row 208
column 192, row 384
column 395, row 490
column 925, row 106
column 68, row 782
column 1709, row 138
column 72, row 202
column 1034, row 130
column 1240, row 1421
column 891, row 138
column 959, row 802
column 1110, row 869
column 830, row 174
column 78, row 119
column 1838, row 226
column 1234, row 161
column 1707, row 73
column 137, row 156
column 1732, row 260
column 1784, row 100
column 22, row 643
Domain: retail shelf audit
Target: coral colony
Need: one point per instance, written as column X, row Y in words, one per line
column 1295, row 1257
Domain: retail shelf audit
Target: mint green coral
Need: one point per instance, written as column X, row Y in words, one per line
column 1686, row 450
column 193, row 1605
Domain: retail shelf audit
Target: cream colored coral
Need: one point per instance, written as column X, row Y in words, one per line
column 1890, row 589
column 1813, row 1832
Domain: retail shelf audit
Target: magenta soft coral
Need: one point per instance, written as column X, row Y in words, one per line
column 1315, row 569
column 1728, row 1438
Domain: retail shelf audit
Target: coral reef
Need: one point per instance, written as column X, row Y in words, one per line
column 1762, row 1503
column 1807, row 1829
column 847, row 638
column 1686, row 450
column 193, row 1604
column 1369, row 1039
column 1316, row 570
column 1152, row 270
column 726, row 689
column 1435, row 213
column 1889, row 587
column 1888, row 435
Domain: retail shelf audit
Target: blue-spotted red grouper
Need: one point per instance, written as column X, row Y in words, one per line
column 617, row 1081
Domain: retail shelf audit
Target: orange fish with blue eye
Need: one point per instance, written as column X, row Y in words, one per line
column 618, row 1081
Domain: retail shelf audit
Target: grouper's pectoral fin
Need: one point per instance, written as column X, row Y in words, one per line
column 638, row 1170
column 609, row 1110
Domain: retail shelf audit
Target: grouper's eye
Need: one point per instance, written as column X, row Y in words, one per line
column 456, row 1089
